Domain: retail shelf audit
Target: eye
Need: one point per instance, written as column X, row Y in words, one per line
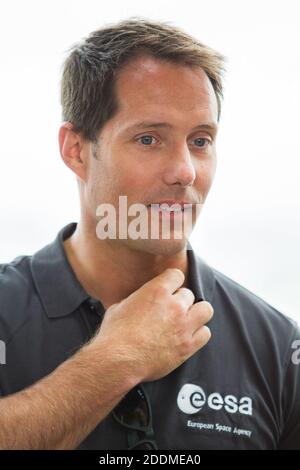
column 146, row 139
column 200, row 141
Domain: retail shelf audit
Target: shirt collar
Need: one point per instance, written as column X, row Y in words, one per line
column 61, row 293
column 201, row 278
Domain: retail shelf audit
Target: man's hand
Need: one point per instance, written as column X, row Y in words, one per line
column 142, row 338
column 157, row 327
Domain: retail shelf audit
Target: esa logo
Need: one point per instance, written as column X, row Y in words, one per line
column 191, row 399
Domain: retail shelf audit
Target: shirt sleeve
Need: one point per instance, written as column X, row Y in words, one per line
column 290, row 436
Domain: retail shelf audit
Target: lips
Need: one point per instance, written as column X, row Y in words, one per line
column 171, row 203
column 171, row 208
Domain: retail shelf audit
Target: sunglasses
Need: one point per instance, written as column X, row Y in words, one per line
column 134, row 413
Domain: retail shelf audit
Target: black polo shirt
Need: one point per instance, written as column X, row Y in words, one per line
column 241, row 391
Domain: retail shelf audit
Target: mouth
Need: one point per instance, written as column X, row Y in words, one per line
column 171, row 206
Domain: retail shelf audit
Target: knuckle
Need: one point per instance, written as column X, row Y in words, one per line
column 207, row 308
column 177, row 309
column 160, row 291
column 185, row 297
column 179, row 305
column 187, row 292
column 185, row 346
column 205, row 335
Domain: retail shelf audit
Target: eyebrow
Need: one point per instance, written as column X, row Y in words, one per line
column 143, row 124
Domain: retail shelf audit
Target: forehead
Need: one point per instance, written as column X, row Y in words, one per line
column 147, row 84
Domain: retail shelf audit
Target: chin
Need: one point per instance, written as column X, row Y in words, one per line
column 168, row 247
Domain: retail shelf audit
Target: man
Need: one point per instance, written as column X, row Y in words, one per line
column 111, row 341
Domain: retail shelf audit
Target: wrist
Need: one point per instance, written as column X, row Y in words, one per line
column 118, row 365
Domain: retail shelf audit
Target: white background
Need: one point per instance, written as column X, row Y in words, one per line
column 250, row 226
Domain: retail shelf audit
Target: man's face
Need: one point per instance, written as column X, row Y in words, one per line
column 151, row 164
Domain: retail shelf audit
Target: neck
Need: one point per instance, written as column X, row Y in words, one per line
column 110, row 270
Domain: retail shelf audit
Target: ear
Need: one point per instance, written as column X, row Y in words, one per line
column 71, row 148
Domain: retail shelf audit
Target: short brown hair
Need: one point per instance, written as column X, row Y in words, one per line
column 88, row 98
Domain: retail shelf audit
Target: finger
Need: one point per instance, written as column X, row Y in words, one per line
column 185, row 297
column 201, row 337
column 199, row 314
column 171, row 278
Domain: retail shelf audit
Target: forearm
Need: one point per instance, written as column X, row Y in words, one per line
column 59, row 411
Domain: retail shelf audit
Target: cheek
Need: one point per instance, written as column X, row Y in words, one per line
column 204, row 176
column 136, row 178
column 101, row 186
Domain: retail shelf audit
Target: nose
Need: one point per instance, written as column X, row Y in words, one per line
column 179, row 168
